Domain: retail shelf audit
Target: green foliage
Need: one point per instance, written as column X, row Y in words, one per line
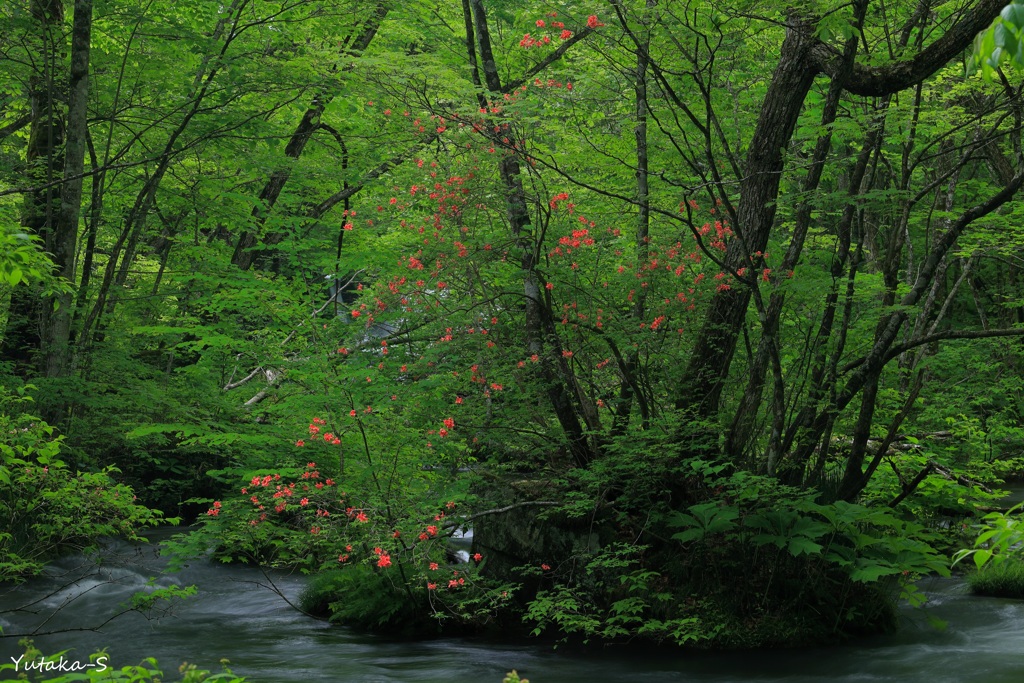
column 999, row 540
column 46, row 508
column 464, row 363
column 23, row 263
column 612, row 599
column 740, row 568
column 366, row 600
column 1002, row 42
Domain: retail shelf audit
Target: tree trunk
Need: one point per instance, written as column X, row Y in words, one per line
column 746, row 414
column 64, row 236
column 538, row 327
column 628, row 385
column 23, row 336
column 701, row 384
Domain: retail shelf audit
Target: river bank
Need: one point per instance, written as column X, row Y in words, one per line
column 243, row 615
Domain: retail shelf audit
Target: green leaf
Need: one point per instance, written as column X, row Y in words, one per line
column 803, row 546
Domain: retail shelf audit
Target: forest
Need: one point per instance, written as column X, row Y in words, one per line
column 702, row 320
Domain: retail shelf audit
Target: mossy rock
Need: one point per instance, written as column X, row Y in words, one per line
column 999, row 580
column 369, row 601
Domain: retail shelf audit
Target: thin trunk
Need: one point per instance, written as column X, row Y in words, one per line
column 746, row 414
column 24, row 336
column 802, row 57
column 704, row 377
column 135, row 220
column 553, row 365
column 892, row 323
column 628, row 389
column 57, row 314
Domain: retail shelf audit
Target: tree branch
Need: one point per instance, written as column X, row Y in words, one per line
column 547, row 61
column 499, row 511
column 892, row 78
column 939, row 336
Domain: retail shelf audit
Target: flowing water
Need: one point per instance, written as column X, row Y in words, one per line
column 237, row 616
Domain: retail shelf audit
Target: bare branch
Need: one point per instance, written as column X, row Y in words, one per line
column 234, row 385
column 502, row 510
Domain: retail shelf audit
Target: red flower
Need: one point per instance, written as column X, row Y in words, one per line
column 300, row 443
column 477, row 557
column 433, row 566
column 592, row 21
column 361, row 517
column 545, row 567
column 431, row 586
column 432, row 530
column 443, row 432
column 304, row 502
column 384, row 561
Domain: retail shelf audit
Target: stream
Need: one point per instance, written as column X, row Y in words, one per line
column 237, row 616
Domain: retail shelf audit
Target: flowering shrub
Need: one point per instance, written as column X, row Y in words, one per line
column 382, row 557
column 45, row 508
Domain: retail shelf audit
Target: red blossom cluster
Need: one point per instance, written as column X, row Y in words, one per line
column 552, row 26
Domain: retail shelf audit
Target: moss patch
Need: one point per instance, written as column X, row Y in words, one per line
column 1002, row 580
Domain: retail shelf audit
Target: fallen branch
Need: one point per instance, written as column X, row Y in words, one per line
column 942, row 471
column 499, row 511
column 234, row 385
